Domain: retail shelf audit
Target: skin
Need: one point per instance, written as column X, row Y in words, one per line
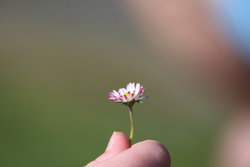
column 147, row 153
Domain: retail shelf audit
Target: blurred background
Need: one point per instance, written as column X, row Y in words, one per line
column 58, row 62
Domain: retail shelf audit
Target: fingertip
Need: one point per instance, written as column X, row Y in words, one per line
column 123, row 139
column 118, row 142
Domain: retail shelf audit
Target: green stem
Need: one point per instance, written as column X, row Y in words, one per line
column 131, row 135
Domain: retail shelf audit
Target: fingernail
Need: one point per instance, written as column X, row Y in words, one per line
column 112, row 141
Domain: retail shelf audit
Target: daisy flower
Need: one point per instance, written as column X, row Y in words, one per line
column 129, row 96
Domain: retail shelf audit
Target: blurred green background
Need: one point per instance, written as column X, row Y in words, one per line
column 59, row 60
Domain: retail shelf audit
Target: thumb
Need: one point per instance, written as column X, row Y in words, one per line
column 118, row 142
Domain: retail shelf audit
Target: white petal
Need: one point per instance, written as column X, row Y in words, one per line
column 133, row 85
column 121, row 92
column 115, row 93
column 133, row 88
column 137, row 89
column 129, row 87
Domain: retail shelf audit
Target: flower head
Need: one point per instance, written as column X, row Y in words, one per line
column 129, row 95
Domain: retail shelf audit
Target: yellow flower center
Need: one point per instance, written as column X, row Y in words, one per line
column 126, row 94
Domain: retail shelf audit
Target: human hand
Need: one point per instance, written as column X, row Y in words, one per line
column 118, row 153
